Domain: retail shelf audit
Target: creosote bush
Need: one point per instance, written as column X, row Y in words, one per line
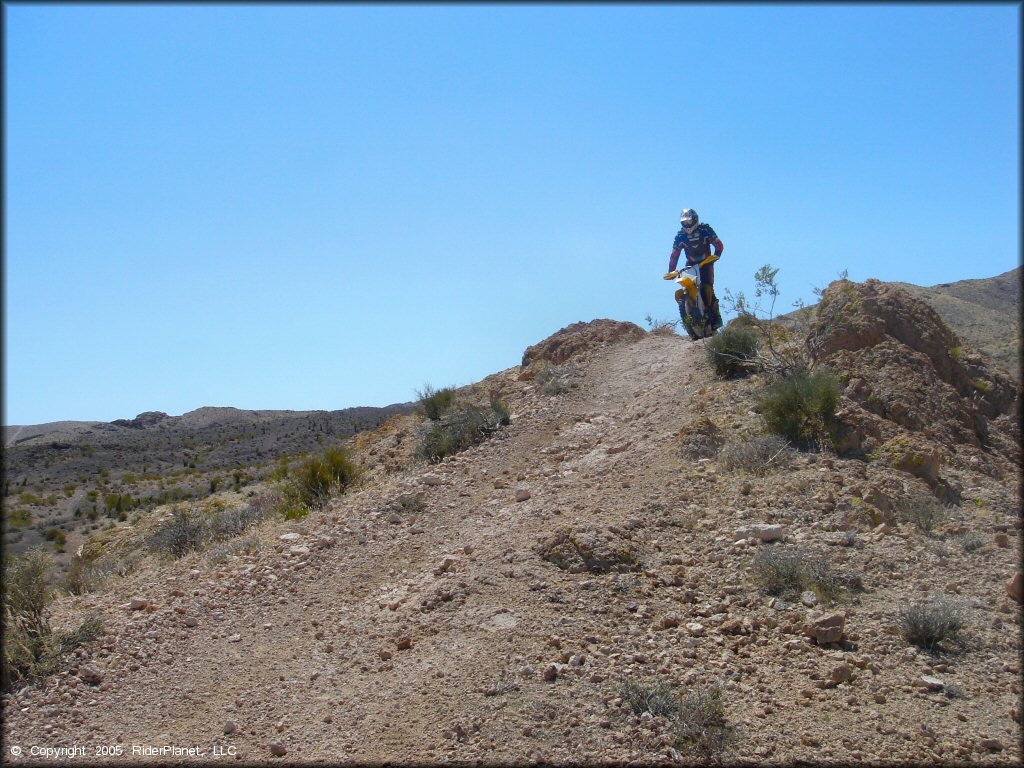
column 318, row 476
column 930, row 623
column 555, row 379
column 434, row 403
column 801, row 407
column 757, row 455
column 733, row 351
column 463, row 427
column 31, row 649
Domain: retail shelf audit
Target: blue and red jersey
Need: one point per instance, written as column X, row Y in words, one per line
column 697, row 246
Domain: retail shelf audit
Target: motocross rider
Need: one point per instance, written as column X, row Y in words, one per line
column 697, row 240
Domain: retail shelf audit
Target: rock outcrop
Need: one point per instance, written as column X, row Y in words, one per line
column 579, row 338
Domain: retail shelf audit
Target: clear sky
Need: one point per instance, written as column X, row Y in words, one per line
column 324, row 206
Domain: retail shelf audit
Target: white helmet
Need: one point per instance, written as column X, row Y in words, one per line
column 688, row 218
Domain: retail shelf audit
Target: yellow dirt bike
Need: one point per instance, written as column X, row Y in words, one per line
column 697, row 319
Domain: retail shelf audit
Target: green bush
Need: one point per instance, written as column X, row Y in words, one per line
column 801, row 407
column 733, row 351
column 462, row 428
column 318, row 476
column 925, row 512
column 434, row 403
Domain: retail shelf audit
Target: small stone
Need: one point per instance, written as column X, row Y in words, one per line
column 290, row 537
column 842, row 673
column 522, row 494
column 384, row 654
column 1015, row 587
column 404, row 644
column 695, row 629
column 993, row 745
column 138, row 604
column 809, row 599
column 550, row 673
column 190, row 621
column 763, row 532
column 431, row 480
column 670, row 620
column 810, row 741
column 230, row 727
column 827, row 629
column 277, row 750
column 90, row 674
column 1002, row 540
column 931, row 683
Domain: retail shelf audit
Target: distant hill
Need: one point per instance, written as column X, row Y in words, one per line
column 60, row 475
column 985, row 313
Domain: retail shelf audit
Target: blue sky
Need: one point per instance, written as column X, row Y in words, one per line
column 317, row 207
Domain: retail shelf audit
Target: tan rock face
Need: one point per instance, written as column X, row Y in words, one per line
column 909, row 373
column 1015, row 587
column 581, row 337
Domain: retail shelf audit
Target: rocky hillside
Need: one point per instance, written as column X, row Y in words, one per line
column 985, row 313
column 624, row 573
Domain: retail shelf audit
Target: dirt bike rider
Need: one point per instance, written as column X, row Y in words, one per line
column 696, row 240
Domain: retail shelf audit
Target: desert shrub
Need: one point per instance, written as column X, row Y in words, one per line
column 228, row 523
column 701, row 727
column 318, row 476
column 462, row 428
column 971, row 542
column 434, row 403
column 184, row 532
column 925, row 512
column 756, row 455
column 931, row 622
column 733, row 351
column 658, row 698
column 556, row 379
column 801, row 407
column 30, row 647
column 788, row 571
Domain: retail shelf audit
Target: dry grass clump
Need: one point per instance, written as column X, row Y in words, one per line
column 658, row 698
column 788, row 571
column 757, row 455
column 930, row 623
column 434, row 403
column 697, row 716
column 190, row 528
column 464, row 426
column 701, row 727
column 925, row 512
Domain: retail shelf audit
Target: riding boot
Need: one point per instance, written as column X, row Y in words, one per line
column 716, row 316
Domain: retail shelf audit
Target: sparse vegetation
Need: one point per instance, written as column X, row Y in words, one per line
column 463, row 427
column 31, row 649
column 756, row 455
column 701, row 727
column 183, row 533
column 801, row 408
column 734, row 350
column 658, row 697
column 701, row 439
column 925, row 512
column 434, row 403
column 930, row 623
column 971, row 542
column 788, row 571
column 317, row 477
